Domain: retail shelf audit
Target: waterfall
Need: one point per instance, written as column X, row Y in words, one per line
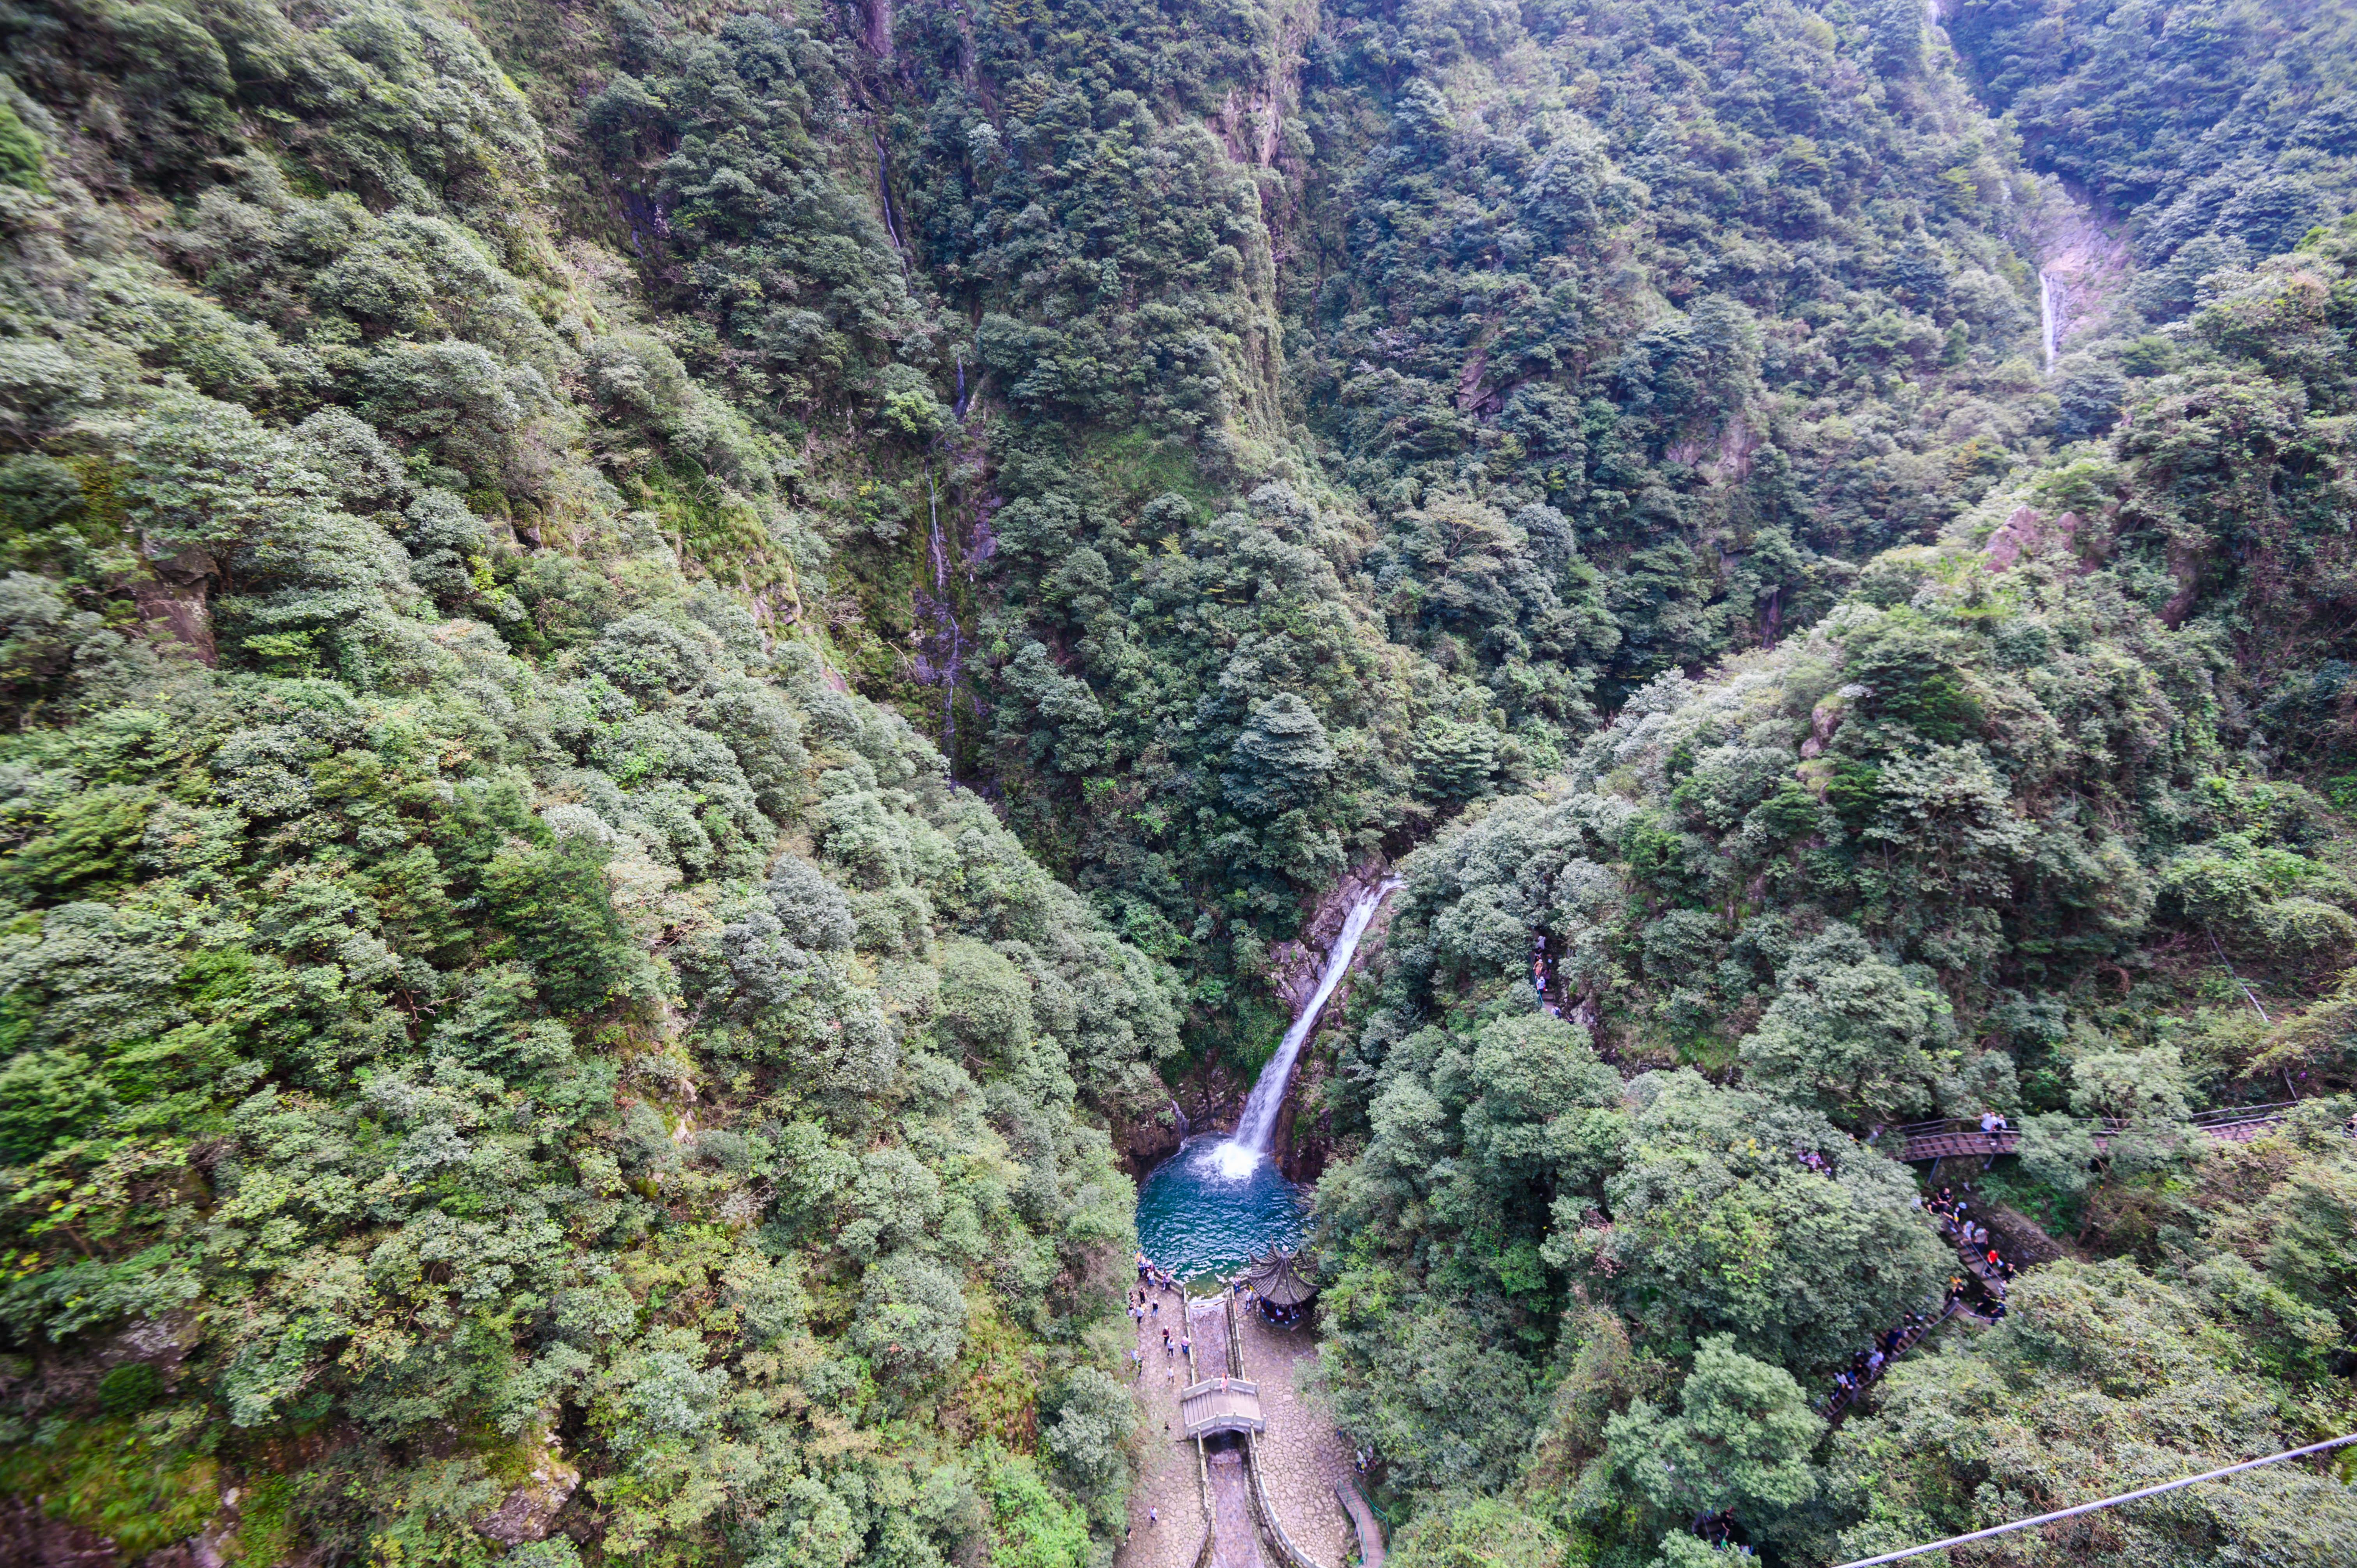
column 1179, row 1117
column 884, row 184
column 1248, row 1144
column 2046, row 315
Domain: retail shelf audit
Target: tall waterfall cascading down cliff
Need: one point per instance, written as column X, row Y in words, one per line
column 1248, row 1145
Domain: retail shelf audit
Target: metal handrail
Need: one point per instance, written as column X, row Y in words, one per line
column 1370, row 1552
column 1220, row 1383
column 1206, row 1553
column 2216, row 1116
column 1839, row 1401
column 1946, row 1124
column 2235, row 1115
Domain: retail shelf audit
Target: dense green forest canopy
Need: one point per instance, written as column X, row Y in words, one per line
column 662, row 666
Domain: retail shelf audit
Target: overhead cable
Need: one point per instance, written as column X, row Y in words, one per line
column 2102, row 1503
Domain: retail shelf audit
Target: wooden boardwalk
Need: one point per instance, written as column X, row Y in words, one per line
column 1363, row 1523
column 1960, row 1138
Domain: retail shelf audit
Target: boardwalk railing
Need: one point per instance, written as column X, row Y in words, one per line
column 1837, row 1405
column 1963, row 1135
column 1362, row 1515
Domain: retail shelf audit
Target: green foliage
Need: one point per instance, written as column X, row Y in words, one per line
column 479, row 965
column 461, row 979
column 1739, row 1441
column 2222, row 127
column 1715, row 1227
column 1977, row 839
column 1482, row 1529
column 1856, row 1034
column 120, row 1479
column 1031, row 1529
column 129, row 1389
column 2099, row 1381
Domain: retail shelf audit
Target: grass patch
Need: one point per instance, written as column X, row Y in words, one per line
column 114, row 1478
column 997, row 1380
column 1138, row 468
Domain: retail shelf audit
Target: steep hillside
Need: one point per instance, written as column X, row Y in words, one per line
column 2019, row 825
column 500, row 1040
column 663, row 664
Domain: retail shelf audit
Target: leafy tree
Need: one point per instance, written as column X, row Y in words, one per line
column 1716, row 1228
column 1848, row 1033
column 1740, row 1440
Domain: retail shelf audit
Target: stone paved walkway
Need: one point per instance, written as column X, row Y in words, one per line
column 1210, row 1336
column 1301, row 1455
column 1167, row 1484
column 1239, row 1539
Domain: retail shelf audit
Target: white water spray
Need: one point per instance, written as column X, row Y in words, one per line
column 1248, row 1144
column 2046, row 315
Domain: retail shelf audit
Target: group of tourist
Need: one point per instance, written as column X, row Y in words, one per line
column 1866, row 1367
column 1539, row 976
column 1982, row 1262
column 1812, row 1160
column 1149, row 1275
column 1977, row 1288
column 1145, row 1308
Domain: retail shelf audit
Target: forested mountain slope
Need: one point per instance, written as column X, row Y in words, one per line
column 662, row 662
column 486, row 1012
column 2019, row 825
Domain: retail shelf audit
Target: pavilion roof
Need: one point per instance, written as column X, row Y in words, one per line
column 1280, row 1278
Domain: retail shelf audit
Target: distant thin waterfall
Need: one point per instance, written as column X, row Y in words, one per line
column 1248, row 1145
column 2046, row 315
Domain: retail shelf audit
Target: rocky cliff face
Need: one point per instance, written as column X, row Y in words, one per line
column 2082, row 265
column 1294, row 967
